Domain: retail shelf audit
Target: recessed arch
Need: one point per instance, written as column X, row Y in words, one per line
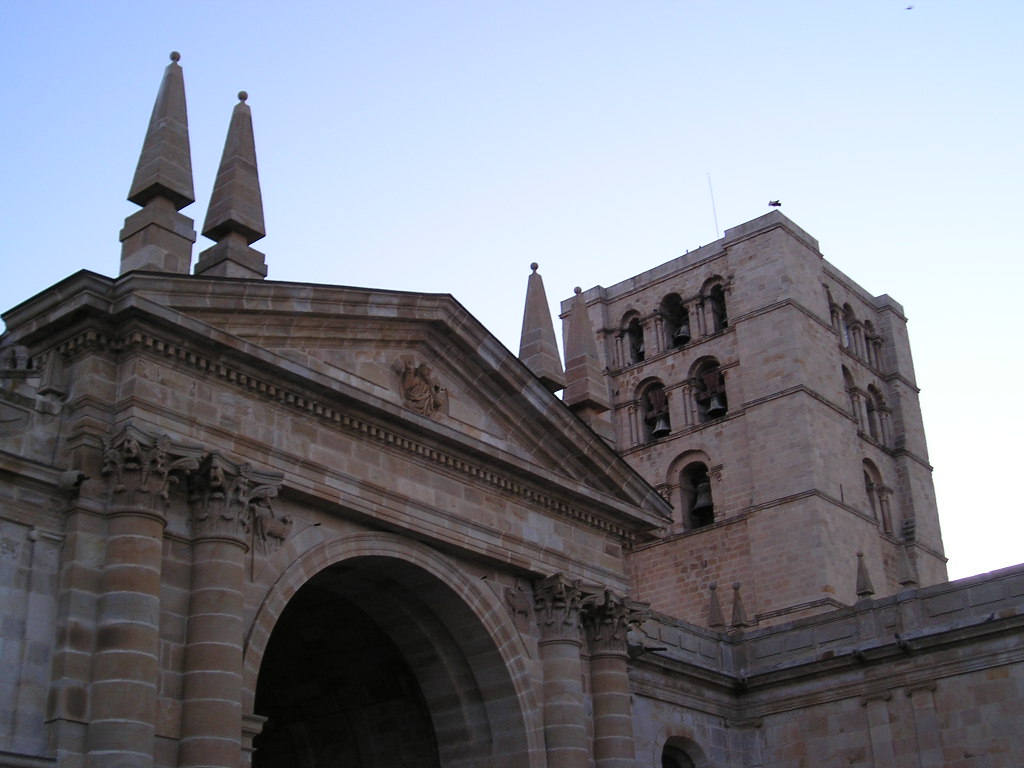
column 450, row 628
column 690, row 475
column 633, row 330
column 683, row 752
column 676, row 321
column 709, row 389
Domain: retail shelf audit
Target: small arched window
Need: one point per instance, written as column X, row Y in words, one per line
column 877, row 496
column 655, row 411
column 676, row 321
column 848, row 321
column 709, row 391
column 695, row 496
column 869, row 489
column 719, row 315
column 635, row 338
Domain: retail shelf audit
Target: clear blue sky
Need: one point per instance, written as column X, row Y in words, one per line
column 443, row 146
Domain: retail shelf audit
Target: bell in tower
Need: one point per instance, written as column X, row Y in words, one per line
column 656, row 417
column 703, row 511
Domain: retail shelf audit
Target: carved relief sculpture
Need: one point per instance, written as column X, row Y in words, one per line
column 518, row 603
column 420, row 390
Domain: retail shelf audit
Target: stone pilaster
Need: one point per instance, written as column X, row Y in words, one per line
column 880, row 733
column 607, row 623
column 227, row 499
column 926, row 725
column 140, row 473
column 558, row 603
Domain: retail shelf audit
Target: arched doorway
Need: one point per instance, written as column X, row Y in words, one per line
column 377, row 661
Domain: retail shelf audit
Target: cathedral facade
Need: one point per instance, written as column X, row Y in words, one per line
column 259, row 523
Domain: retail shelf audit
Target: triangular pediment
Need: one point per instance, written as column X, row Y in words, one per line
column 418, row 362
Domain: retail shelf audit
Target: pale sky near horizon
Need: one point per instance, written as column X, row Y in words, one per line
column 443, row 146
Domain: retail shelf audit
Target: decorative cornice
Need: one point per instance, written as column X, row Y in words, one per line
column 355, row 425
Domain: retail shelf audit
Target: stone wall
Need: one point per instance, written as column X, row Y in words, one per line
column 931, row 676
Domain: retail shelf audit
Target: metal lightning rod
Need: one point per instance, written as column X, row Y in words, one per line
column 713, row 211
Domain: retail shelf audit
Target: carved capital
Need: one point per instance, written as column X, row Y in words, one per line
column 558, row 603
column 665, row 490
column 141, row 469
column 234, row 500
column 608, row 620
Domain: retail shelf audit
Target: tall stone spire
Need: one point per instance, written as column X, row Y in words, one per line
column 158, row 237
column 537, row 347
column 235, row 217
column 586, row 391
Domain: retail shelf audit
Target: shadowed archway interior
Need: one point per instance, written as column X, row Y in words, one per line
column 375, row 662
column 336, row 691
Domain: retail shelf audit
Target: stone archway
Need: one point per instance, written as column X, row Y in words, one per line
column 377, row 660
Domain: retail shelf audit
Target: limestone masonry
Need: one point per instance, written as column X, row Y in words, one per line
column 250, row 522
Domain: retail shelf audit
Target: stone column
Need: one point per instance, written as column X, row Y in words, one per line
column 228, row 499
column 633, row 418
column 862, row 412
column 857, row 333
column 884, row 429
column 607, row 624
column 125, row 672
column 855, row 404
column 658, row 323
column 620, row 353
column 884, row 509
column 688, row 405
column 558, row 603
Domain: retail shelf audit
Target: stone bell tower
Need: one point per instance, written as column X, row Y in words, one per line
column 772, row 402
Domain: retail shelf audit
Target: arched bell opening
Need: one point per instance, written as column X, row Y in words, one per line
column 719, row 315
column 657, row 422
column 709, row 391
column 375, row 662
column 675, row 320
column 635, row 340
column 695, row 491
